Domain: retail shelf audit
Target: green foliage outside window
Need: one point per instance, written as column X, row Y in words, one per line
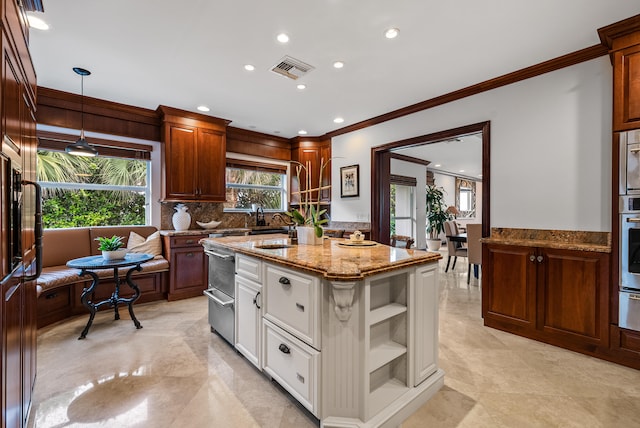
column 83, row 207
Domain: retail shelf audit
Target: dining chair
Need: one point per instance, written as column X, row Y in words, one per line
column 474, row 248
column 401, row 241
column 454, row 249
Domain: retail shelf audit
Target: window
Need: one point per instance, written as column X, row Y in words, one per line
column 101, row 191
column 403, row 212
column 253, row 183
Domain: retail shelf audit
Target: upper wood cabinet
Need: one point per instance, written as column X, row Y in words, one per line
column 623, row 40
column 626, row 89
column 194, row 156
column 312, row 151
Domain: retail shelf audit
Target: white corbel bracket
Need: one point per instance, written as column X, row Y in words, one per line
column 343, row 297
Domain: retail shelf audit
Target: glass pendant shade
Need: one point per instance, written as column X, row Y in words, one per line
column 81, row 147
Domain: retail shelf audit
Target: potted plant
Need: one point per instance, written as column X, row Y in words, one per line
column 110, row 247
column 309, row 215
column 437, row 215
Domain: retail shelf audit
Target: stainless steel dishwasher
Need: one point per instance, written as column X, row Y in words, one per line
column 221, row 291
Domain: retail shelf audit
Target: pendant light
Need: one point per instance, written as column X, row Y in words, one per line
column 81, row 147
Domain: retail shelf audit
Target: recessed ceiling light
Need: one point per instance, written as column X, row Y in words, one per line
column 462, row 170
column 302, row 132
column 391, row 33
column 203, row 108
column 301, row 86
column 338, row 120
column 282, row 38
column 437, row 165
column 37, row 23
column 338, row 64
column 480, row 175
column 249, row 67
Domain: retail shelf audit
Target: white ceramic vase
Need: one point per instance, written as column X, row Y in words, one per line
column 181, row 219
column 307, row 236
column 114, row 255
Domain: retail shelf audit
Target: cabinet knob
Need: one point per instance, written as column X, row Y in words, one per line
column 284, row 349
column 299, row 306
column 540, row 259
column 284, row 280
column 532, row 258
column 255, row 300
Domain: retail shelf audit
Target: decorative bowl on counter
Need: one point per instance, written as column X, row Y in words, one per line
column 211, row 225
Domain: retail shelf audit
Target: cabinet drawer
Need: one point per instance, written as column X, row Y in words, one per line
column 293, row 364
column 292, row 302
column 249, row 268
column 186, row 241
column 53, row 300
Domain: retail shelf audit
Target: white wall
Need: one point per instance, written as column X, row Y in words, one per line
column 550, row 149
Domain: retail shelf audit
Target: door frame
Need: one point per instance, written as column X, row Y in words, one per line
column 381, row 173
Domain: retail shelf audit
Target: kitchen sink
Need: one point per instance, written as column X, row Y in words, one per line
column 273, row 246
column 267, row 231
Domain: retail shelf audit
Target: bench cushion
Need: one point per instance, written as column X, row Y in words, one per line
column 56, row 276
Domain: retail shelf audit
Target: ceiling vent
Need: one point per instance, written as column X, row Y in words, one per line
column 291, row 68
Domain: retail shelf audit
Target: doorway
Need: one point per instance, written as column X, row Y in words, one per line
column 381, row 182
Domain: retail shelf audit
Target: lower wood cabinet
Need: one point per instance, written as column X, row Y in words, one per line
column 188, row 266
column 553, row 295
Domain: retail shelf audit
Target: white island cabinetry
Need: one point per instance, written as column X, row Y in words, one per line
column 354, row 343
column 248, row 308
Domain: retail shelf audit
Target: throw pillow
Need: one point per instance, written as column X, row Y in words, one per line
column 152, row 245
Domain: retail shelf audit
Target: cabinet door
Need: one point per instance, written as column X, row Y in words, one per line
column 180, row 163
column 425, row 324
column 211, row 164
column 573, row 295
column 248, row 320
column 626, row 89
column 188, row 277
column 509, row 288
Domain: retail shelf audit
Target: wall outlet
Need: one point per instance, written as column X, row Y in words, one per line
column 362, row 216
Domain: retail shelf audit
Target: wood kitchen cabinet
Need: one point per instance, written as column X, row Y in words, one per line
column 626, row 88
column 188, row 273
column 194, row 156
column 314, row 151
column 556, row 296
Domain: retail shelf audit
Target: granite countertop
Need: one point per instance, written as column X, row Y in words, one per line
column 331, row 260
column 191, row 232
column 599, row 242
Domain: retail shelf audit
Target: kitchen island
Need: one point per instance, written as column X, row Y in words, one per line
column 350, row 331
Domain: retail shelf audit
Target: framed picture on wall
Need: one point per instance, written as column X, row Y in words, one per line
column 350, row 181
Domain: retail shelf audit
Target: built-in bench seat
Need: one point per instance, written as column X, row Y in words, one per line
column 60, row 287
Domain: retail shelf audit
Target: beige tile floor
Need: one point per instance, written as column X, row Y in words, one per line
column 175, row 373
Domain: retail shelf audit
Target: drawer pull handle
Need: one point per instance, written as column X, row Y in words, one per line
column 284, row 281
column 255, row 300
column 190, row 241
column 300, row 377
column 299, row 306
column 189, row 254
column 284, row 349
column 51, row 296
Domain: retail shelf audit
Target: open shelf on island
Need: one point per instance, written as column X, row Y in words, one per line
column 384, row 354
column 386, row 393
column 385, row 312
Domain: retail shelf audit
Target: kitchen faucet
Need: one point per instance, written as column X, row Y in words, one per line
column 260, row 221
